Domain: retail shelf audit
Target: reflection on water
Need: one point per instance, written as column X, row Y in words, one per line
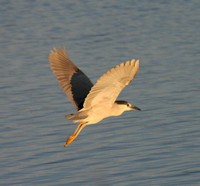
column 158, row 146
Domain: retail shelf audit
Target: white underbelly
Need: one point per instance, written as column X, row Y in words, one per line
column 97, row 114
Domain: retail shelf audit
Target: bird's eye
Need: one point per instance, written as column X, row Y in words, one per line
column 128, row 104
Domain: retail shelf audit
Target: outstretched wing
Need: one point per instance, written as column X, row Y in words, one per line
column 73, row 81
column 110, row 84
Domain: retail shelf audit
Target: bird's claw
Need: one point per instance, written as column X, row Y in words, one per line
column 69, row 140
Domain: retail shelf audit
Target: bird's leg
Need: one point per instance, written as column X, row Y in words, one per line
column 75, row 134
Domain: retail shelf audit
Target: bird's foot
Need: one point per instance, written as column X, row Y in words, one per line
column 69, row 140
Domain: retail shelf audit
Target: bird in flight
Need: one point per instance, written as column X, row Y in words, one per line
column 93, row 102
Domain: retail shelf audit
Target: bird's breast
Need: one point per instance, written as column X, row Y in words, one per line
column 96, row 114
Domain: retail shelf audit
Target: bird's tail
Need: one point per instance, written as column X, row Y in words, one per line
column 69, row 116
column 76, row 117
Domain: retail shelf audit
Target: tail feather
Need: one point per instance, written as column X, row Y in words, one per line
column 76, row 117
column 69, row 116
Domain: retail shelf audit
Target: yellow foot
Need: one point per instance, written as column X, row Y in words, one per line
column 69, row 140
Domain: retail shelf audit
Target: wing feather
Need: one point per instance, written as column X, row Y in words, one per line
column 110, row 84
column 72, row 80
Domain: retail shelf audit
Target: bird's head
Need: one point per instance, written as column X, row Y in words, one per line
column 126, row 105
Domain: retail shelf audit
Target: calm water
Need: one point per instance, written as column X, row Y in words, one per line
column 158, row 146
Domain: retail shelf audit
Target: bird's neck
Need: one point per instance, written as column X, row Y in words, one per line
column 117, row 109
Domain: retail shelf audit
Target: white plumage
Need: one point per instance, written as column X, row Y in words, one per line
column 93, row 102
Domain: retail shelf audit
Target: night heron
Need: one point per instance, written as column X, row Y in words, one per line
column 93, row 102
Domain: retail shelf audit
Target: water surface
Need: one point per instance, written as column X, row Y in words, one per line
column 157, row 146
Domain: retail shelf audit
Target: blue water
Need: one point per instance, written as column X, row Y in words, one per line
column 158, row 146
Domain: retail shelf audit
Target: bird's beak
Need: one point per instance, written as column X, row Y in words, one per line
column 135, row 108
